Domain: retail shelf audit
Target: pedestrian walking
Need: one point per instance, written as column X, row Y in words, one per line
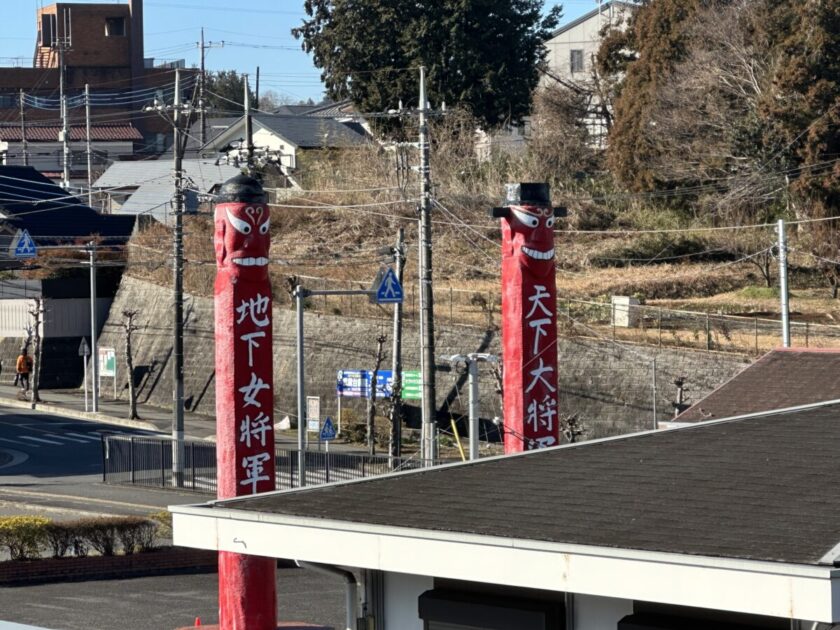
column 23, row 368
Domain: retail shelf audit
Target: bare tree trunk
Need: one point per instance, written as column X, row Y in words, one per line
column 37, row 314
column 130, row 327
column 371, row 429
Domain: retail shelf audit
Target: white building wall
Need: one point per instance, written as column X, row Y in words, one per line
column 585, row 37
column 401, row 594
column 600, row 613
column 62, row 318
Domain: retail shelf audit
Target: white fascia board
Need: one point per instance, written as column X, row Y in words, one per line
column 747, row 586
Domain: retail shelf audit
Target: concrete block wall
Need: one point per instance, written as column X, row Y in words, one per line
column 609, row 387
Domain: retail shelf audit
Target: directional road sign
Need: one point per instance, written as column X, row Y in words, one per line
column 411, row 385
column 328, row 430
column 24, row 246
column 352, row 384
column 389, row 290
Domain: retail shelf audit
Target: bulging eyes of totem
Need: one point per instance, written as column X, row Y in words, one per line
column 243, row 227
column 526, row 219
column 549, row 222
column 264, row 228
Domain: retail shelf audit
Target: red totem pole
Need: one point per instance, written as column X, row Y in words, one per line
column 529, row 318
column 244, row 391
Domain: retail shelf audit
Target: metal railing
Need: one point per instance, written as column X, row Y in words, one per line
column 147, row 461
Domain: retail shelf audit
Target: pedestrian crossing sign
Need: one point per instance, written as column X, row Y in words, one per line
column 328, row 430
column 390, row 290
column 24, row 245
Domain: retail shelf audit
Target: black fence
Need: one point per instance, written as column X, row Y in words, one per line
column 147, row 461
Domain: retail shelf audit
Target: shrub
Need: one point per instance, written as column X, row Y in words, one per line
column 59, row 538
column 163, row 520
column 23, row 536
column 135, row 533
column 100, row 534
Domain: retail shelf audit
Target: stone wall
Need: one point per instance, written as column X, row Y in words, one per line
column 608, row 386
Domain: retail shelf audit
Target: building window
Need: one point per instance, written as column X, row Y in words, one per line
column 115, row 27
column 576, row 61
column 9, row 100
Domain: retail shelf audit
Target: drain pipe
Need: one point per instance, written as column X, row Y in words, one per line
column 350, row 587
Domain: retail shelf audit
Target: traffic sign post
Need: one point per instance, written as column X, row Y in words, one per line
column 327, row 435
column 84, row 352
column 412, row 385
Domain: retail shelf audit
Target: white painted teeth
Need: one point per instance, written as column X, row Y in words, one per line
column 251, row 262
column 533, row 253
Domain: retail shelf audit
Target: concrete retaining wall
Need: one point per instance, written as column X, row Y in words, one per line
column 608, row 386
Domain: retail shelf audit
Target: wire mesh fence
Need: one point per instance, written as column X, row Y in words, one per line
column 147, row 461
column 651, row 325
column 635, row 323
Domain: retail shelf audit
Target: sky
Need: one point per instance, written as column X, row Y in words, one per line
column 255, row 32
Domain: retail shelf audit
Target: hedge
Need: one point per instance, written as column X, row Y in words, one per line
column 27, row 537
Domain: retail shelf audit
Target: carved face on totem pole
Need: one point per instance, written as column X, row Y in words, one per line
column 530, row 236
column 242, row 240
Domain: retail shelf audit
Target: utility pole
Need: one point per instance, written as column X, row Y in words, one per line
column 249, row 131
column 202, row 87
column 427, row 311
column 395, row 450
column 783, row 284
column 203, row 133
column 178, row 273
column 64, row 136
column 257, row 88
column 24, row 144
column 89, row 151
column 94, row 356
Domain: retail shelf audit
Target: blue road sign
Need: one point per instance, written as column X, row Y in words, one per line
column 25, row 247
column 356, row 383
column 390, row 290
column 328, row 430
column 353, row 384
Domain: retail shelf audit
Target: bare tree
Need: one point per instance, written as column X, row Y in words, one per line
column 371, row 428
column 129, row 327
column 37, row 314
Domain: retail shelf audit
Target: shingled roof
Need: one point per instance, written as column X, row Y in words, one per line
column 758, row 488
column 49, row 133
column 782, row 378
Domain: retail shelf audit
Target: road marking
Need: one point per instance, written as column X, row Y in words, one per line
column 64, row 437
column 17, row 443
column 28, row 437
column 92, row 438
column 74, row 498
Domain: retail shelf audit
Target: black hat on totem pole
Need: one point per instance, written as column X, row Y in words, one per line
column 241, row 189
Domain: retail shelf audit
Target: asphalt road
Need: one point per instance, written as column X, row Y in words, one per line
column 51, row 466
column 163, row 603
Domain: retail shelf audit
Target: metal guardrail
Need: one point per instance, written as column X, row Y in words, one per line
column 147, row 461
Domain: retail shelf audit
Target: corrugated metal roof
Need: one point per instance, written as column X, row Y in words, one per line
column 12, row 133
column 154, row 183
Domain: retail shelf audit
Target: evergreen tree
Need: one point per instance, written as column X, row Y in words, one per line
column 226, row 92
column 482, row 54
column 648, row 51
